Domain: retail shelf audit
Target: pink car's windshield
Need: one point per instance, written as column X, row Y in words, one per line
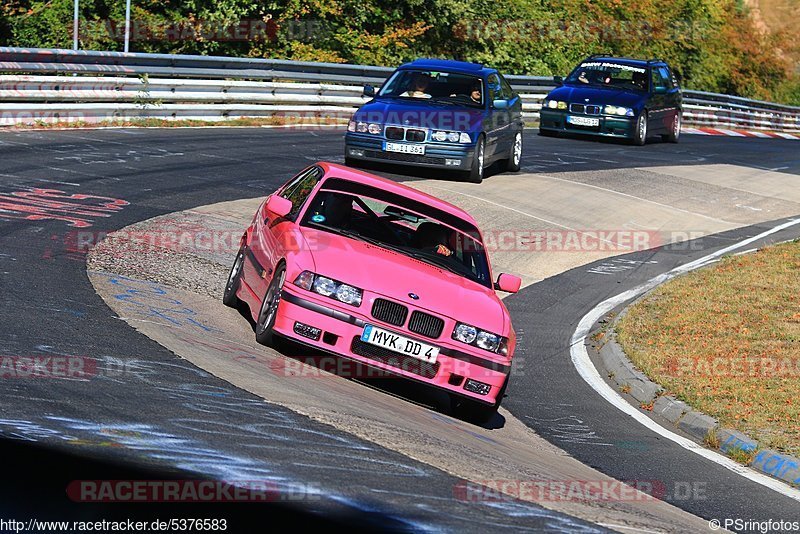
column 391, row 221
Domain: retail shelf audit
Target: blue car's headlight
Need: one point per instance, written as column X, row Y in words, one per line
column 451, row 137
column 364, row 127
column 554, row 104
column 618, row 110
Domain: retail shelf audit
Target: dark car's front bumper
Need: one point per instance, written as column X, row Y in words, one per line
column 368, row 147
column 610, row 126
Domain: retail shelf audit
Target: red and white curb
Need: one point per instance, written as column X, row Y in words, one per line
column 740, row 133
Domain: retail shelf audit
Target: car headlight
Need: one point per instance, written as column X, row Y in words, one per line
column 451, row 137
column 480, row 338
column 362, row 127
column 465, row 333
column 374, row 128
column 618, row 110
column 555, row 104
column 351, row 126
column 329, row 287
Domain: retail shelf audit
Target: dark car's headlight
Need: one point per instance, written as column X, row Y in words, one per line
column 452, row 137
column 328, row 287
column 480, row 338
column 554, row 104
column 618, row 110
column 364, row 127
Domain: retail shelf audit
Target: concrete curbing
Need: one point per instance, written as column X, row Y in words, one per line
column 678, row 414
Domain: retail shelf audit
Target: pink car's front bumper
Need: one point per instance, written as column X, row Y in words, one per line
column 342, row 326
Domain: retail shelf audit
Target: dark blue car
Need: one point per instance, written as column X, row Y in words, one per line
column 615, row 97
column 437, row 113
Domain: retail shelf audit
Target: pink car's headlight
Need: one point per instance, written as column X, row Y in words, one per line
column 480, row 338
column 329, row 287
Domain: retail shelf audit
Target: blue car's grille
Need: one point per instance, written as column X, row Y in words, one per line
column 399, row 133
column 418, row 136
column 585, row 108
column 393, row 132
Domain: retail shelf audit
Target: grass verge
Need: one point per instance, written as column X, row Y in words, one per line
column 726, row 340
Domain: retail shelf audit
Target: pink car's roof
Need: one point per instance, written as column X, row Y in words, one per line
column 333, row 170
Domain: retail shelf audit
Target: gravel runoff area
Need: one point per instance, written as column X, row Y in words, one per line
column 179, row 250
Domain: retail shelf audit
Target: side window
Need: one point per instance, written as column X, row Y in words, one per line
column 665, row 75
column 659, row 82
column 493, row 84
column 508, row 92
column 299, row 188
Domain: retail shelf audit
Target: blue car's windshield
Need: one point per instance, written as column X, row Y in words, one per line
column 435, row 86
column 609, row 74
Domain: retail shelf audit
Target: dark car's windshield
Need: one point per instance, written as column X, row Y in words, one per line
column 435, row 86
column 609, row 74
column 398, row 228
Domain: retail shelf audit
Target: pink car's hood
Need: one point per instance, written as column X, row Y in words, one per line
column 395, row 275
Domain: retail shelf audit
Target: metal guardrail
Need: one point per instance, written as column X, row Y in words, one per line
column 52, row 85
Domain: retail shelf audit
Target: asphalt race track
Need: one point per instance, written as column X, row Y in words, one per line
column 151, row 412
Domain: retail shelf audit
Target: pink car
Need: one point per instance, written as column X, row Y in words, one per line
column 374, row 271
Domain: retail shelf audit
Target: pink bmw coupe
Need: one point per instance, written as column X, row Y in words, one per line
column 371, row 270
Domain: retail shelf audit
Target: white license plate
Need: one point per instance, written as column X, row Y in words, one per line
column 396, row 343
column 583, row 121
column 404, row 148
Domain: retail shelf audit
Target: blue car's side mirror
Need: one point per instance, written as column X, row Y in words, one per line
column 500, row 104
column 369, row 90
column 559, row 80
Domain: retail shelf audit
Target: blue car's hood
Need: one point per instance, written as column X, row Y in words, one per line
column 422, row 114
column 596, row 95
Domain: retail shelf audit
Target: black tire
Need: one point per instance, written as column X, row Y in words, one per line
column 514, row 161
column 548, row 133
column 229, row 297
column 475, row 174
column 640, row 134
column 675, row 129
column 269, row 308
column 475, row 412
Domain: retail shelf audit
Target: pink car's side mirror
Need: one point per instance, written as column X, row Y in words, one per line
column 508, row 283
column 279, row 206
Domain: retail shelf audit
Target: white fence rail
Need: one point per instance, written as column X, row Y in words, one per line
column 38, row 85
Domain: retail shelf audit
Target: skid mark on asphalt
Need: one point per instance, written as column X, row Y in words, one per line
column 618, row 265
column 568, row 429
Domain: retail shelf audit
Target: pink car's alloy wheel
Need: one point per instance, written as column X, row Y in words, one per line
column 269, row 307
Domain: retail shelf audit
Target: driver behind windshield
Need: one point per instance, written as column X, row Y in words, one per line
column 419, row 86
column 431, row 237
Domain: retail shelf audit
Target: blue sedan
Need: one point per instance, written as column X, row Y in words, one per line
column 615, row 97
column 442, row 114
